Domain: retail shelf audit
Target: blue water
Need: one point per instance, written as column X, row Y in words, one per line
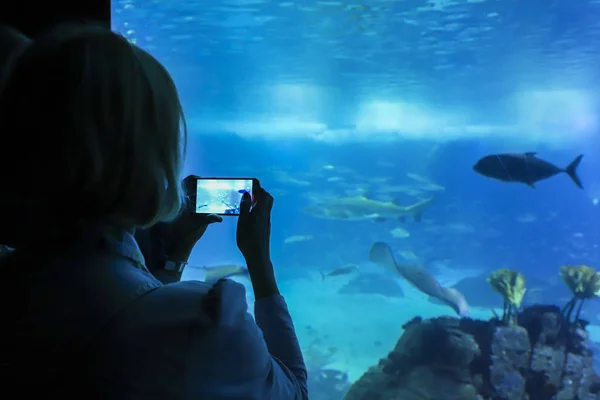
column 324, row 100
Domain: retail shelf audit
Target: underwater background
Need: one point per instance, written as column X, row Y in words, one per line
column 352, row 106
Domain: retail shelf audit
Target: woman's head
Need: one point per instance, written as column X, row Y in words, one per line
column 93, row 129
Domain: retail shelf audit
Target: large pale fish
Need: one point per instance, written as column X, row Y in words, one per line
column 419, row 277
column 360, row 208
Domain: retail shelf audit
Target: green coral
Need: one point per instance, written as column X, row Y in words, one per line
column 584, row 282
column 511, row 286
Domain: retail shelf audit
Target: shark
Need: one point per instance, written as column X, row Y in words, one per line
column 361, row 207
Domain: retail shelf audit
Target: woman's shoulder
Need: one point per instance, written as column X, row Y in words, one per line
column 200, row 303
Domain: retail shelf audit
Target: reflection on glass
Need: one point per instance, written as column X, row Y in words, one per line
column 365, row 121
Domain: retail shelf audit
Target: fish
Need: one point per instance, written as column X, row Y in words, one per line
column 345, row 270
column 525, row 168
column 297, row 239
column 217, row 272
column 419, row 277
column 361, row 207
column 399, row 233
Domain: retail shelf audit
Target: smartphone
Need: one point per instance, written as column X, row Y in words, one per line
column 221, row 196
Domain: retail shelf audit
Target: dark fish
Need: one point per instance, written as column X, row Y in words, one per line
column 420, row 278
column 345, row 270
column 525, row 168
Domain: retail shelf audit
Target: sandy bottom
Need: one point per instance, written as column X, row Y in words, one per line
column 351, row 333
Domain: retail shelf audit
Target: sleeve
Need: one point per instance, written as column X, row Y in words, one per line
column 273, row 318
column 241, row 362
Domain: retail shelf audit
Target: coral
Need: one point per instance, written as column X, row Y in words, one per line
column 324, row 382
column 447, row 358
column 511, row 286
column 583, row 282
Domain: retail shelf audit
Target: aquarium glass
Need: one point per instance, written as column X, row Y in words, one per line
column 366, row 120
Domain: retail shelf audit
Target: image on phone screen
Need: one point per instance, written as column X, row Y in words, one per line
column 221, row 196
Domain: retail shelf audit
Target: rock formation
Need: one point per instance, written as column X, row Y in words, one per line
column 541, row 357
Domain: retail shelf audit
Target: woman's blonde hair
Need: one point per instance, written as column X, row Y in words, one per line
column 94, row 129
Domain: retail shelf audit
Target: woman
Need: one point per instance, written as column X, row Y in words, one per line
column 166, row 247
column 94, row 151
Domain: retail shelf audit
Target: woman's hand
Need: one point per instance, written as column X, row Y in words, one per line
column 182, row 234
column 254, row 241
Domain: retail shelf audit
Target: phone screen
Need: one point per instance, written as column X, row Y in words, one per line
column 221, row 196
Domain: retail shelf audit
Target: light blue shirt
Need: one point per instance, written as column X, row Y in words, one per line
column 95, row 322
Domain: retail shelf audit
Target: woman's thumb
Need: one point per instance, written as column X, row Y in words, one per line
column 245, row 204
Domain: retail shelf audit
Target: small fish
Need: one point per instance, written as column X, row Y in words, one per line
column 345, row 270
column 419, row 277
column 216, row 272
column 399, row 233
column 297, row 239
column 525, row 168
